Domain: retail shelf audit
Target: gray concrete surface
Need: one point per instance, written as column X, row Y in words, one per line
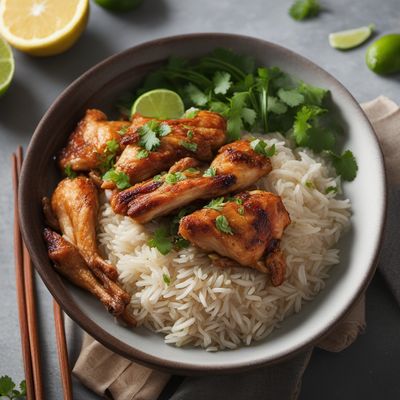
column 367, row 369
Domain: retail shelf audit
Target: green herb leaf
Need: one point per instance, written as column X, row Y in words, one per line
column 166, row 279
column 123, row 130
column 112, row 146
column 161, row 241
column 260, row 147
column 222, row 225
column 120, row 179
column 345, row 165
column 302, row 9
column 174, row 177
column 248, row 115
column 276, row 106
column 69, row 172
column 190, row 134
column 291, row 97
column 188, row 145
column 142, row 154
column 157, row 178
column 302, row 123
column 211, row 171
column 312, row 94
column 241, row 210
column 216, row 204
column 196, row 95
column 222, row 82
column 6, row 386
column 191, row 113
column 181, row 243
column 309, row 184
column 148, row 137
column 192, row 170
column 331, row 189
column 163, row 130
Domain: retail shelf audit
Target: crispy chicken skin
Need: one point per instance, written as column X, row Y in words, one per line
column 75, row 204
column 88, row 141
column 257, row 225
column 69, row 262
column 237, row 166
column 206, row 131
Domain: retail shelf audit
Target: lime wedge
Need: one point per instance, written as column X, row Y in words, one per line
column 6, row 66
column 351, row 38
column 159, row 103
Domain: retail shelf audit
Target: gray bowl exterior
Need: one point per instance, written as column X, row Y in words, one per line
column 100, row 87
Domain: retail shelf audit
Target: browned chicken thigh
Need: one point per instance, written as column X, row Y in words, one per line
column 197, row 137
column 236, row 167
column 75, row 204
column 246, row 228
column 87, row 144
column 69, row 262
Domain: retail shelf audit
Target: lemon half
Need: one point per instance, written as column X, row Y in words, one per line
column 43, row 27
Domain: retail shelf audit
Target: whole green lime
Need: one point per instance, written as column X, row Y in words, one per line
column 383, row 56
column 119, row 5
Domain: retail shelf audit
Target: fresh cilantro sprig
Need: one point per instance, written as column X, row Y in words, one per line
column 302, row 9
column 120, row 179
column 161, row 241
column 8, row 388
column 210, row 172
column 222, row 224
column 107, row 159
column 260, row 147
column 150, row 134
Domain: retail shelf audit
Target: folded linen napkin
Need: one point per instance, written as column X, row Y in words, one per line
column 108, row 374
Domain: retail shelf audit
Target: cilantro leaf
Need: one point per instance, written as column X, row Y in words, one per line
column 142, row 154
column 222, row 225
column 248, row 115
column 196, row 95
column 291, row 97
column 190, row 134
column 123, row 130
column 120, row 179
column 191, row 113
column 241, row 210
column 209, row 172
column 312, row 94
column 148, row 138
column 260, row 147
column 163, row 130
column 166, row 279
column 302, row 124
column 161, row 241
column 69, row 172
column 6, row 385
column 188, row 145
column 302, row 9
column 112, row 146
column 174, row 177
column 345, row 165
column 216, row 204
column 192, row 170
column 275, row 106
column 222, row 82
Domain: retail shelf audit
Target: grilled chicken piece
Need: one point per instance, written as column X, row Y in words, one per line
column 75, row 203
column 88, row 142
column 69, row 262
column 237, row 166
column 256, row 222
column 206, row 132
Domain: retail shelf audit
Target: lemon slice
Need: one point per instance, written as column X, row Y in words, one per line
column 6, row 66
column 351, row 38
column 43, row 27
column 159, row 103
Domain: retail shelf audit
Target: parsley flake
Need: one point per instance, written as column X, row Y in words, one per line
column 216, row 204
column 142, row 154
column 260, row 147
column 191, row 113
column 192, row 170
column 174, row 177
column 123, row 130
column 210, row 172
column 112, row 146
column 161, row 241
column 240, row 210
column 166, row 279
column 120, row 179
column 331, row 189
column 190, row 134
column 70, row 172
column 222, row 225
column 188, row 145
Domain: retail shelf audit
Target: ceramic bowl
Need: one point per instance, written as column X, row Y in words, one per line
column 99, row 87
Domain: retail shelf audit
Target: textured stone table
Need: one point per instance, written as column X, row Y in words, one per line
column 367, row 370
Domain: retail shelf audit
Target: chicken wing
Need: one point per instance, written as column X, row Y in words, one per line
column 197, row 137
column 88, row 142
column 236, row 167
column 75, row 203
column 246, row 229
column 69, row 262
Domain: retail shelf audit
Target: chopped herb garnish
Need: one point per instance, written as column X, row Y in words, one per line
column 150, row 134
column 8, row 388
column 142, row 154
column 210, row 172
column 260, row 147
column 157, row 178
column 310, row 185
column 181, row 243
column 216, row 204
column 222, row 225
column 120, row 179
column 174, row 177
column 331, row 189
column 190, row 134
column 188, row 145
column 70, row 172
column 166, row 279
column 123, row 130
column 241, row 210
column 164, row 130
column 192, row 170
column 345, row 165
column 161, row 241
column 302, row 9
column 112, row 146
column 191, row 113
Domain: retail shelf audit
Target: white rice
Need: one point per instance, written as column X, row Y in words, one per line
column 217, row 308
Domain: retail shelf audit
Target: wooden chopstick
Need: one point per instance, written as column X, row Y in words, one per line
column 30, row 299
column 62, row 351
column 20, row 287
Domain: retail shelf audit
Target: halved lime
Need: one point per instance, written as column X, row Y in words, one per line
column 350, row 38
column 159, row 103
column 6, row 66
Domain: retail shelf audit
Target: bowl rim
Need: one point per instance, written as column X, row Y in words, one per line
column 55, row 286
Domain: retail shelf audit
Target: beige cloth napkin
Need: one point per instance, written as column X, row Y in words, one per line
column 108, row 374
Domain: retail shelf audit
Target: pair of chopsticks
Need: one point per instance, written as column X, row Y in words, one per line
column 27, row 309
